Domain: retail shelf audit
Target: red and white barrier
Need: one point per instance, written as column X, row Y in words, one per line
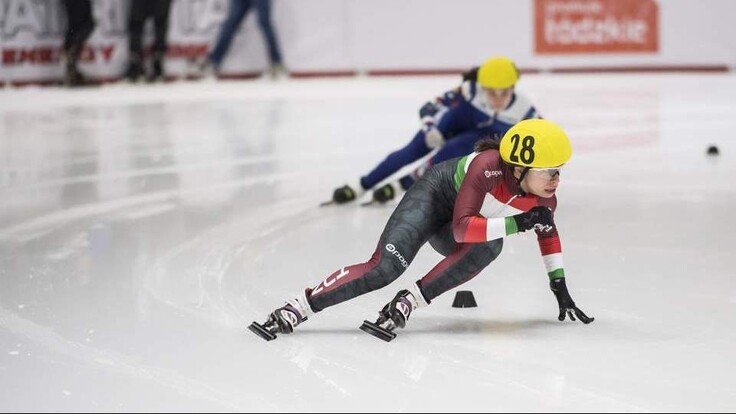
column 386, row 37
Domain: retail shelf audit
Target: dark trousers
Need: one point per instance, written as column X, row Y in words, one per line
column 79, row 26
column 140, row 11
column 237, row 12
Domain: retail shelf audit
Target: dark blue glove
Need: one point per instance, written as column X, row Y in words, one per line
column 429, row 109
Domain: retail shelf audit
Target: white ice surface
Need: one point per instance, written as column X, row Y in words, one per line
column 143, row 228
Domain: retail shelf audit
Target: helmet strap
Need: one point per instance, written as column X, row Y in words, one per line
column 520, row 179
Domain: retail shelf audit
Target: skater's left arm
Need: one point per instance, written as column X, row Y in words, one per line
column 468, row 225
column 551, row 249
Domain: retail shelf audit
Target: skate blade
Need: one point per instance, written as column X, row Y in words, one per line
column 259, row 330
column 327, row 203
column 377, row 331
column 369, row 203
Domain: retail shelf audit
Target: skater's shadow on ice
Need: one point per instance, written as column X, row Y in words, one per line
column 454, row 326
column 487, row 326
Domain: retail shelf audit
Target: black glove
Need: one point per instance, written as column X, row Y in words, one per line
column 565, row 302
column 471, row 75
column 538, row 217
column 429, row 109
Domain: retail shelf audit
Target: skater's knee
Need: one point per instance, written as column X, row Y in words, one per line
column 386, row 276
column 442, row 244
column 487, row 252
column 433, row 138
column 392, row 265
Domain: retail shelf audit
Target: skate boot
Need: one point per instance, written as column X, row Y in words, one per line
column 393, row 315
column 345, row 194
column 384, row 194
column 283, row 320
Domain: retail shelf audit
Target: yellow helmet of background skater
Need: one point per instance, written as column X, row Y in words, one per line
column 535, row 143
column 498, row 73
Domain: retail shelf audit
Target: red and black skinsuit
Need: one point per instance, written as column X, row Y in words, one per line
column 462, row 207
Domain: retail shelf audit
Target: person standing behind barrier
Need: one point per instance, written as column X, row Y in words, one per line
column 140, row 11
column 236, row 13
column 79, row 27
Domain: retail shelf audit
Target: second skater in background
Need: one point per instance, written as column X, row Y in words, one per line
column 485, row 105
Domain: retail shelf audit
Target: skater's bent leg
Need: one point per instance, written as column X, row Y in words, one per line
column 417, row 217
column 413, row 151
column 460, row 266
column 355, row 280
column 443, row 242
column 460, row 145
column 457, row 146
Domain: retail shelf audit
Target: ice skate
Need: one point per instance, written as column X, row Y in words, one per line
column 345, row 194
column 281, row 321
column 382, row 195
column 393, row 315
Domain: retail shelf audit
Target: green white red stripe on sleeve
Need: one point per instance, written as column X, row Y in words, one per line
column 551, row 249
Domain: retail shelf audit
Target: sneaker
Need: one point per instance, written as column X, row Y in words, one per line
column 134, row 71
column 157, row 68
column 203, row 68
column 277, row 71
column 73, row 77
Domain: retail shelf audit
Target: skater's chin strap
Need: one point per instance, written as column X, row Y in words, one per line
column 521, row 192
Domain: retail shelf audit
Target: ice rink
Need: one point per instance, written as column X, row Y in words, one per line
column 142, row 228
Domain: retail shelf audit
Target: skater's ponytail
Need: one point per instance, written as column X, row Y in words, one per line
column 488, row 143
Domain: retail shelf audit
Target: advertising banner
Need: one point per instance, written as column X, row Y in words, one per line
column 596, row 26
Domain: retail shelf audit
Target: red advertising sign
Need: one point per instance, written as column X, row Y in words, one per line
column 596, row 26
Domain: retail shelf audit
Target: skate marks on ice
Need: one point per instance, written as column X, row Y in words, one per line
column 197, row 277
column 130, row 367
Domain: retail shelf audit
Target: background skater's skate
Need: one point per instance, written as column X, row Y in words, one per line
column 345, row 194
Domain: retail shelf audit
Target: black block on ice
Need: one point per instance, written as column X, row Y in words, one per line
column 464, row 299
column 712, row 150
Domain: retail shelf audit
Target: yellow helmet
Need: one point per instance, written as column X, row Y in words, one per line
column 535, row 143
column 498, row 73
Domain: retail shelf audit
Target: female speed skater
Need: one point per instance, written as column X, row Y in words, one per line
column 486, row 104
column 464, row 208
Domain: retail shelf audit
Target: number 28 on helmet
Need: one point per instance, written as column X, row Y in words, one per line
column 535, row 143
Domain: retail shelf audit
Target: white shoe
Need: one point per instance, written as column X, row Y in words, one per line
column 203, row 68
